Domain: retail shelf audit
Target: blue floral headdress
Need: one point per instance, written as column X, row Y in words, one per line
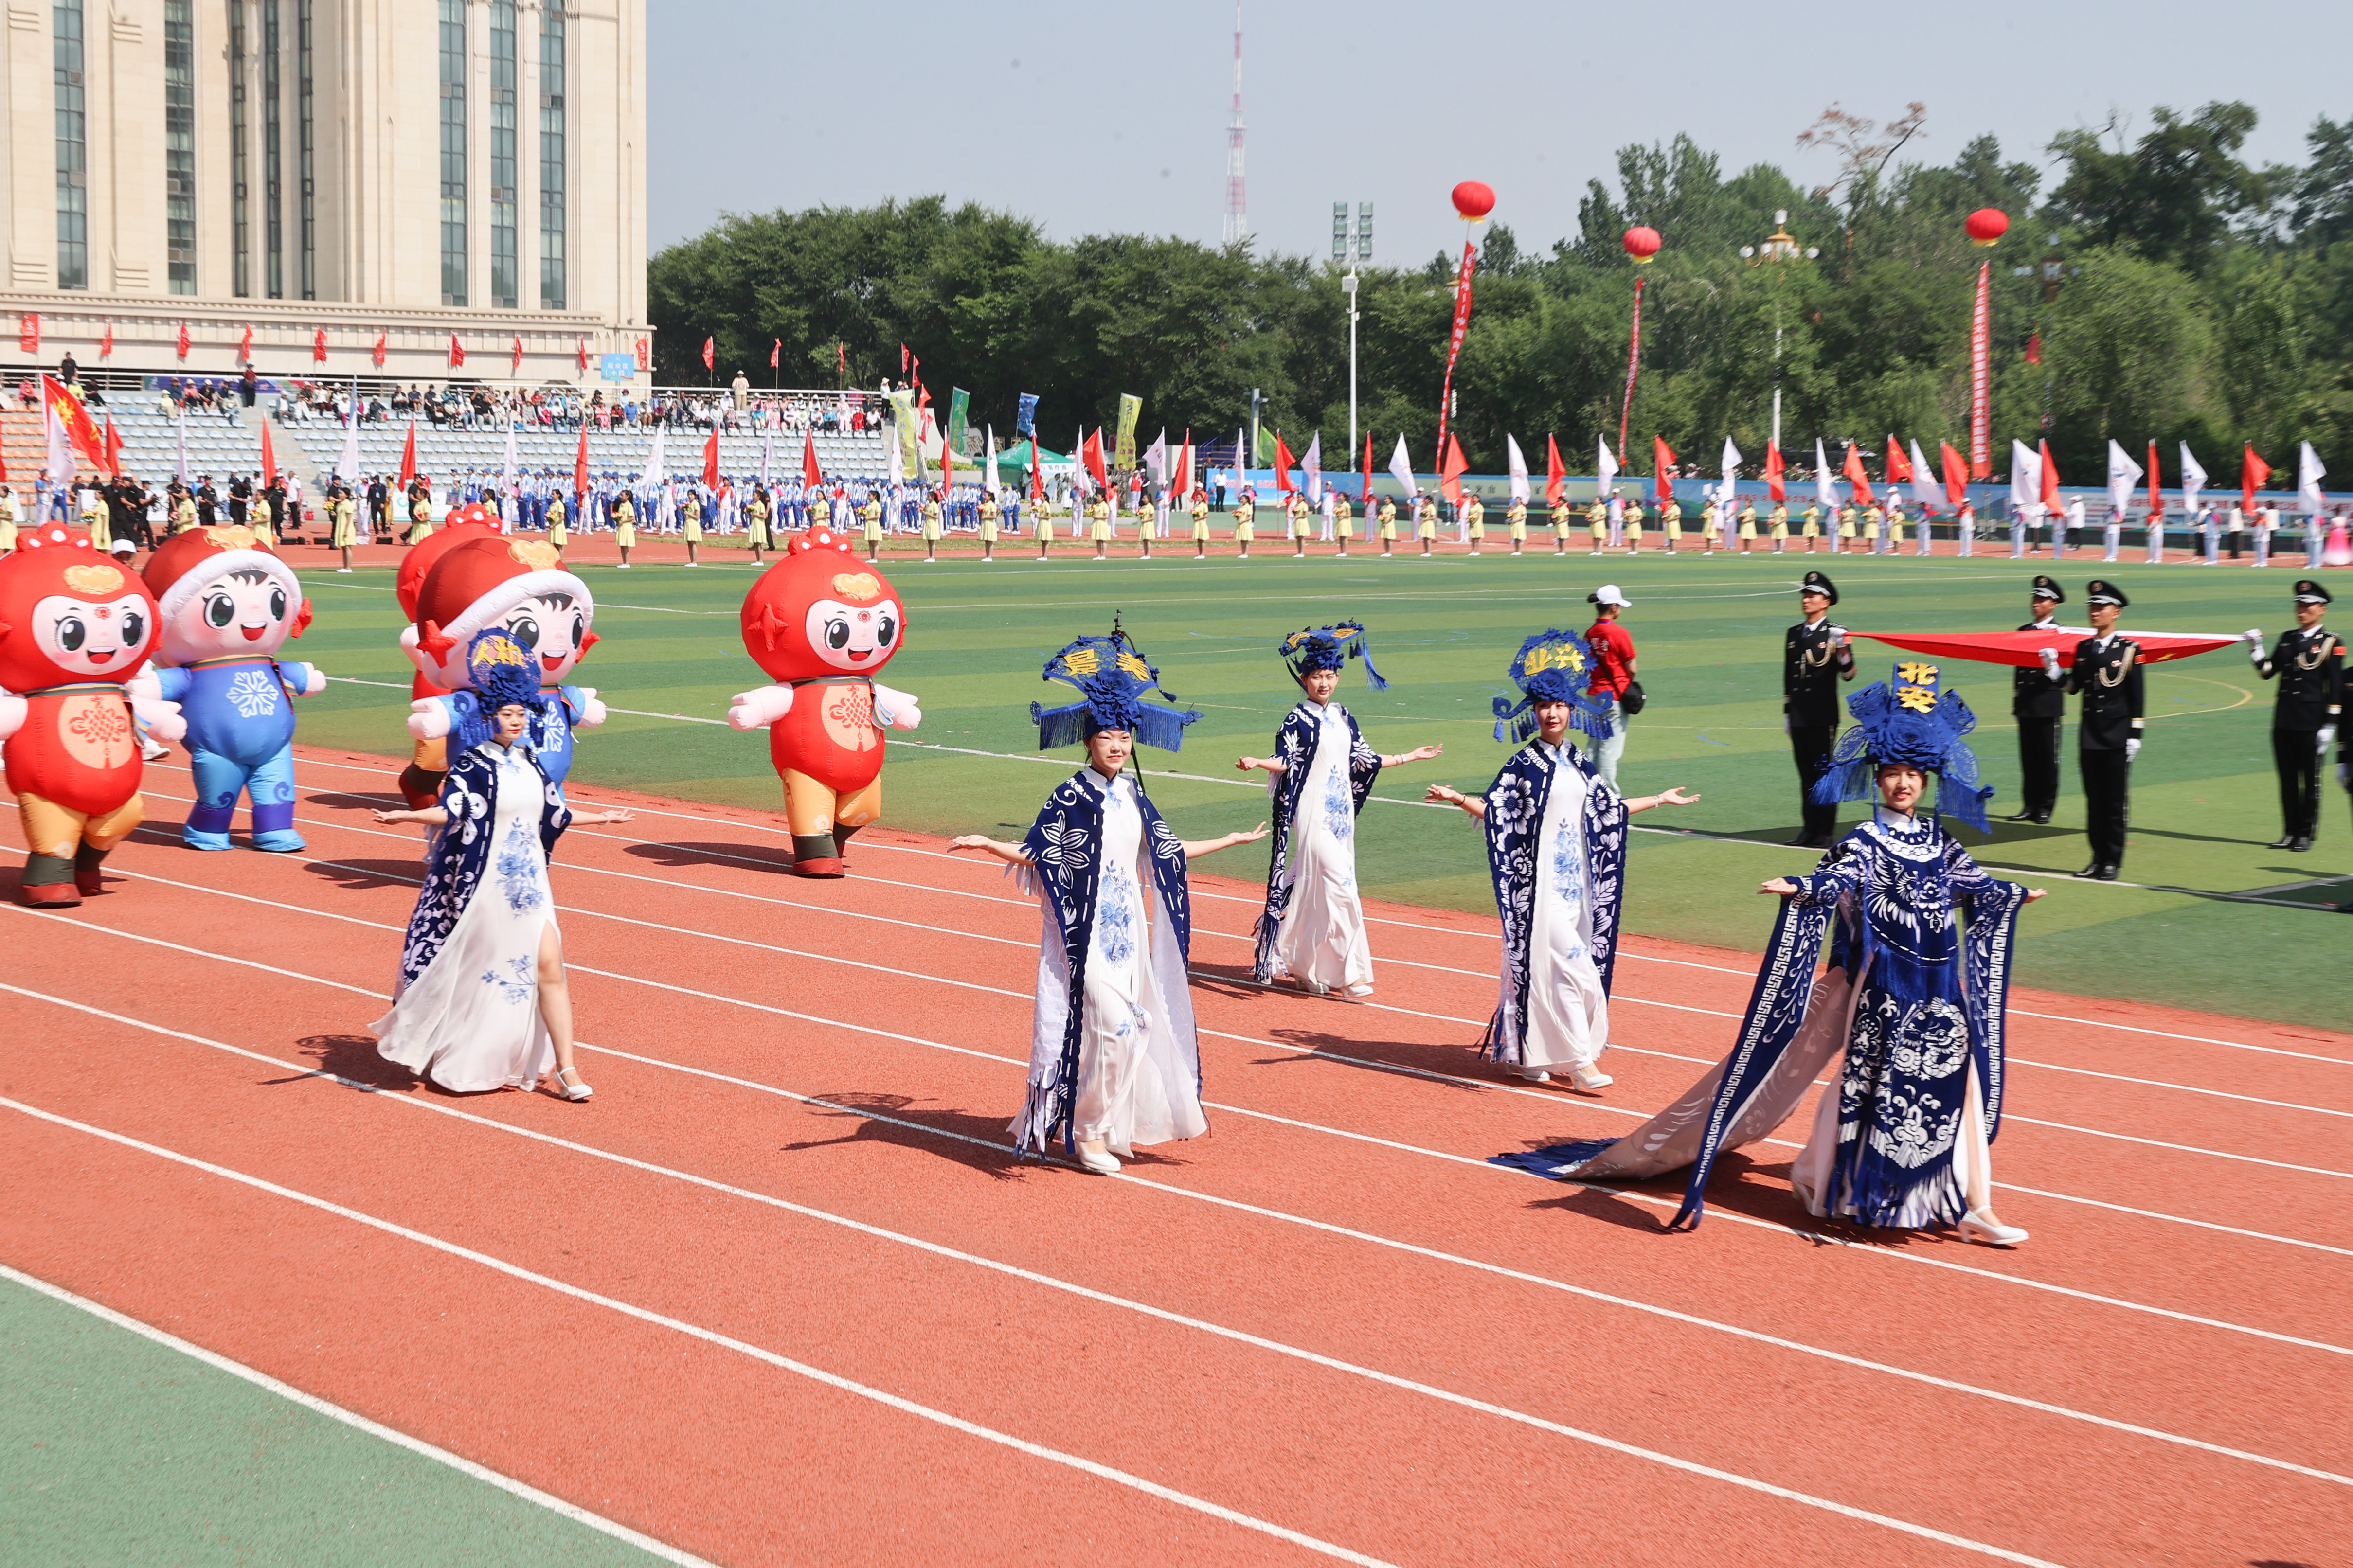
column 1312, row 648
column 1112, row 679
column 501, row 669
column 1552, row 667
column 1912, row 719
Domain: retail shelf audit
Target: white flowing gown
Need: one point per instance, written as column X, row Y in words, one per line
column 1321, row 939
column 1568, row 1023
column 470, row 1021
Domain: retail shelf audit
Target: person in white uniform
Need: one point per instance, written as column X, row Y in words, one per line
column 1312, row 929
column 1556, row 839
column 1113, row 1059
column 483, row 1001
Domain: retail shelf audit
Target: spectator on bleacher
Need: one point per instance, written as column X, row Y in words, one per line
column 68, row 371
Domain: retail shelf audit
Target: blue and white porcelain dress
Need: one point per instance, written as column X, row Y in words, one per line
column 1568, row 1023
column 1321, row 940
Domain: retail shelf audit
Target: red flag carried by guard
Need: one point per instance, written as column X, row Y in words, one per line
column 707, row 355
column 268, row 457
column 1450, row 470
column 711, row 458
column 1092, row 453
column 811, row 475
column 1956, row 475
column 1899, row 467
column 1181, row 485
column 1855, row 476
column 80, row 430
column 1556, row 476
column 1774, row 484
column 2252, row 475
column 113, row 449
column 776, row 354
column 408, row 457
column 1662, row 458
column 1283, row 461
column 580, row 463
column 2050, row 496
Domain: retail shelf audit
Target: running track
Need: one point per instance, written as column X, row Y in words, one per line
column 781, row 1292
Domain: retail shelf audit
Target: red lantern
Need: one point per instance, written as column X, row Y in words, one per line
column 1987, row 224
column 1474, row 200
column 1641, row 244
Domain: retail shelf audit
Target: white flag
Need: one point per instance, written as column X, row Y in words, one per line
column 2193, row 479
column 1155, row 457
column 2309, row 473
column 1925, row 490
column 347, row 467
column 1825, row 487
column 2123, row 475
column 182, row 430
column 767, row 453
column 1731, row 466
column 1606, row 467
column 988, row 480
column 1517, row 464
column 61, row 457
column 655, row 473
column 1401, row 467
column 898, row 461
column 2025, row 476
column 1312, row 462
column 507, row 478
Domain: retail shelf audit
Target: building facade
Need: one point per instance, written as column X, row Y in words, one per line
column 393, row 171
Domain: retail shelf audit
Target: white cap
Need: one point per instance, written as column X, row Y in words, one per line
column 1607, row 594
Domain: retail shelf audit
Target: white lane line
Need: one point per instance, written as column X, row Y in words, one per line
column 834, row 1380
column 1623, row 952
column 1087, row 1293
column 311, row 1402
column 868, row 1032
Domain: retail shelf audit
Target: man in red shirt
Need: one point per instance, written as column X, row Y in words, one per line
column 1612, row 652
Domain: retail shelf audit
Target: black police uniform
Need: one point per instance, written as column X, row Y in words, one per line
column 1811, row 669
column 2310, row 668
column 2107, row 675
column 2039, row 703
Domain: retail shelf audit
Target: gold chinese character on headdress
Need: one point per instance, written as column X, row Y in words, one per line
column 1917, row 673
column 1082, row 662
column 1557, row 656
column 1918, row 698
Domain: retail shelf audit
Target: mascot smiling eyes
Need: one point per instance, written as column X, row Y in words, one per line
column 820, row 623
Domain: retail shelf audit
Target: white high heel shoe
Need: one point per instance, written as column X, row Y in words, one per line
column 1534, row 1074
column 1590, row 1078
column 572, row 1086
column 1102, row 1165
column 1990, row 1231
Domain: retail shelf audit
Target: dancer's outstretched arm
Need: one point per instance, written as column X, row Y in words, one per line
column 1196, row 847
column 1419, row 755
column 1011, row 854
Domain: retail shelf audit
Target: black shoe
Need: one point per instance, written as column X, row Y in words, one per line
column 2088, row 872
column 2026, row 815
column 1803, row 841
column 2104, row 874
column 2285, row 841
column 2299, row 845
column 2042, row 819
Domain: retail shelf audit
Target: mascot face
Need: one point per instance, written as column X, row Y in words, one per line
column 554, row 629
column 68, row 614
column 821, row 611
column 238, row 612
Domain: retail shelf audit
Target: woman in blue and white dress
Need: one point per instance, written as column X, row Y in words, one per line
column 1114, row 1060
column 1312, row 928
column 483, row 1001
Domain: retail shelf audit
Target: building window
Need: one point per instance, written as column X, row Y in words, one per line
column 453, row 152
column 180, row 143
column 503, row 153
column 551, row 161
column 239, row 209
column 273, row 187
column 73, row 152
column 306, row 172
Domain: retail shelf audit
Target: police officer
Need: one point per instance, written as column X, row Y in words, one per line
column 2309, row 664
column 1815, row 658
column 2108, row 674
column 2038, row 700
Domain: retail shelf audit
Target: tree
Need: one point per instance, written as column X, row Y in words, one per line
column 2173, row 196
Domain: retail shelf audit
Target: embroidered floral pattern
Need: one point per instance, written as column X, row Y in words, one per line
column 518, row 869
column 1339, row 811
column 1115, row 915
column 1567, row 865
column 516, row 984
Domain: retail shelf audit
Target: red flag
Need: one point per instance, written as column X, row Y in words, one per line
column 183, row 341
column 1454, row 341
column 1283, row 461
column 1036, row 474
column 382, row 340
column 1956, row 475
column 776, row 354
column 457, row 351
column 2253, row 473
column 113, row 449
column 319, row 346
column 245, row 346
column 645, row 354
column 711, row 458
column 2050, row 496
column 514, row 363
column 1899, row 467
column 1773, row 469
column 841, row 356
column 811, row 475
column 580, row 460
column 69, row 411
column 1854, row 474
column 1451, row 469
column 1981, row 377
column 2155, row 487
column 408, row 457
column 707, row 355
column 1182, row 485
column 582, row 354
column 2034, row 347
column 1556, row 476
column 902, row 359
column 106, row 351
column 1368, row 496
column 28, row 333
column 268, row 457
column 1092, row 453
column 1663, row 458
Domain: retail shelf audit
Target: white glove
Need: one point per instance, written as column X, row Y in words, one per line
column 2050, row 657
column 2132, row 748
column 428, row 719
column 758, row 709
column 592, row 710
column 13, row 709
column 162, row 719
column 316, row 684
column 895, row 709
column 2328, row 737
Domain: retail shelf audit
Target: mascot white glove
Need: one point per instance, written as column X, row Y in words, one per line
column 758, row 709
column 895, row 709
column 317, row 683
column 592, row 710
column 428, row 719
column 2255, row 645
column 144, row 692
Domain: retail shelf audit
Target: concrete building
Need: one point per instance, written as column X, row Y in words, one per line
column 398, row 171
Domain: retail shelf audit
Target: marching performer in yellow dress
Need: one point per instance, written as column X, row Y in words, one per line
column 1846, row 519
column 1671, row 518
column 1871, row 516
column 691, row 517
column 1389, row 524
column 1894, row 526
column 1597, row 522
column 870, row 515
column 1245, row 510
column 625, row 527
column 1780, row 527
column 1812, row 527
column 1041, row 527
column 1563, row 517
column 558, row 521
column 1634, row 526
column 420, row 517
column 344, row 510
column 1200, row 524
column 756, row 514
column 932, row 528
column 1516, row 520
column 1098, row 524
column 1343, row 520
column 1475, row 522
column 1424, row 522
column 1299, row 513
column 989, row 514
column 1748, row 526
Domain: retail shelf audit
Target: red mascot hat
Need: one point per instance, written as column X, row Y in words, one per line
column 51, row 561
column 466, row 522
column 473, row 585
column 817, row 565
column 185, row 564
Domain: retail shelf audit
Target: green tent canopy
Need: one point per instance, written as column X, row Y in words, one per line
column 1015, row 459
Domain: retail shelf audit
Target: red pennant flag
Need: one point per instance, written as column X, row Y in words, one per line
column 1556, row 476
column 2034, row 347
column 408, row 457
column 1368, row 496
column 902, row 359
column 268, row 457
column 776, row 354
column 581, row 354
column 811, row 475
column 184, row 339
column 68, row 411
column 1283, row 461
column 516, row 363
column 1899, row 467
column 1036, row 474
column 711, row 458
column 106, row 351
column 2050, row 496
column 645, row 354
column 1181, row 484
column 382, row 340
column 1663, row 457
column 1451, row 469
column 2252, row 474
column 580, row 460
column 707, row 356
column 1956, row 475
column 113, row 447
column 319, row 346
column 2155, row 487
column 1773, row 481
column 245, row 346
column 1855, row 476
column 1093, row 454
column 28, row 333
column 457, row 351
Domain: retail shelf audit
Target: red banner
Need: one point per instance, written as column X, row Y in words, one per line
column 106, row 343
column 245, row 347
column 28, row 335
column 381, row 339
column 184, row 339
column 1633, row 364
column 1454, row 343
column 2155, row 486
column 319, row 346
column 2024, row 650
column 1980, row 377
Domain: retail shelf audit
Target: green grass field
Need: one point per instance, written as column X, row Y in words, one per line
column 1709, row 636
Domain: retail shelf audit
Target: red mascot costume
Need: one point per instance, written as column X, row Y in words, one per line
column 821, row 622
column 420, row 781
column 74, row 628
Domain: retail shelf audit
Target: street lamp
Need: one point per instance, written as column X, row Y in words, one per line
column 1779, row 247
column 1347, row 250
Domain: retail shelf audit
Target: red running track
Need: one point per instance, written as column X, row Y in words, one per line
column 782, row 1289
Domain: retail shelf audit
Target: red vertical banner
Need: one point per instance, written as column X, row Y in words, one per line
column 580, row 463
column 1454, row 343
column 381, row 340
column 1980, row 377
column 2155, row 486
column 28, row 333
column 1633, row 365
column 645, row 355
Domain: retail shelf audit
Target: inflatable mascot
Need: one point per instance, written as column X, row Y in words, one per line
column 420, row 781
